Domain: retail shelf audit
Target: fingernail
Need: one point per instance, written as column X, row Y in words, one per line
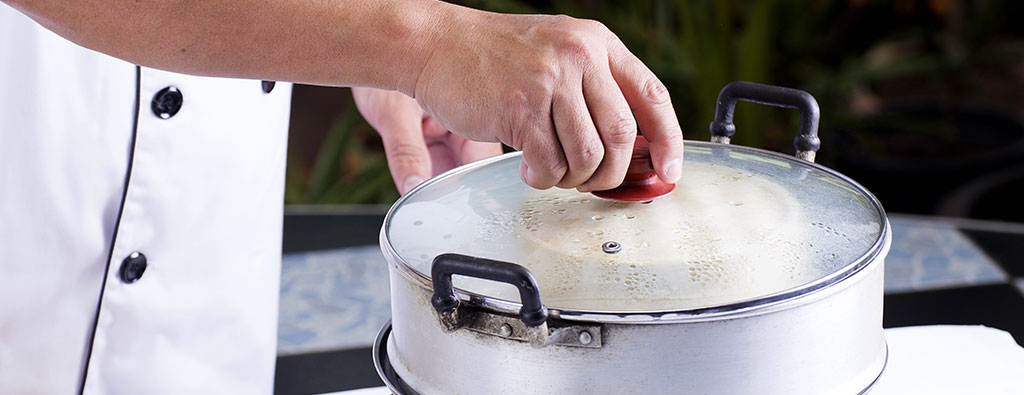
column 410, row 183
column 673, row 171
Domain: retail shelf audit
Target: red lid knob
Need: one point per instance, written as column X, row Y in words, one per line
column 641, row 182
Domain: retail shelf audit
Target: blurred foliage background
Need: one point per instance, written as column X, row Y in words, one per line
column 900, row 83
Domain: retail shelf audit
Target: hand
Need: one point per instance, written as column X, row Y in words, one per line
column 417, row 147
column 562, row 90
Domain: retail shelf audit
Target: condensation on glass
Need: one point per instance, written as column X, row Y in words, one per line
column 742, row 224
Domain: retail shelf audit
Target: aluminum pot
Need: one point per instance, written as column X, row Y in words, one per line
column 761, row 274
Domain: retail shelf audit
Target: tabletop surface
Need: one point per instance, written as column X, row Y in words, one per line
column 334, row 288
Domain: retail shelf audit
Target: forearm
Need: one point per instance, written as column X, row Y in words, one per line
column 565, row 91
column 378, row 43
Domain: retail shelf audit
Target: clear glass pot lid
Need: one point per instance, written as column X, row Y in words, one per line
column 742, row 223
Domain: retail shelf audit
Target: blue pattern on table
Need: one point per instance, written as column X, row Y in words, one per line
column 932, row 254
column 331, row 300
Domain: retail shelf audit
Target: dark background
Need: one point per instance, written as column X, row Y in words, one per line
column 921, row 100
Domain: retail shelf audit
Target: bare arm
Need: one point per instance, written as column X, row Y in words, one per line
column 565, row 91
column 380, row 43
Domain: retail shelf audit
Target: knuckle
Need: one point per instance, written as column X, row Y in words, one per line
column 534, row 181
column 588, row 156
column 621, row 129
column 655, row 92
column 545, row 73
column 594, row 26
column 556, row 167
column 546, row 176
column 574, row 43
column 563, row 19
column 575, row 37
column 549, row 170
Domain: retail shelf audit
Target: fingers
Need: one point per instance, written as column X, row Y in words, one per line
column 576, row 133
column 650, row 102
column 472, row 151
column 417, row 146
column 407, row 155
column 615, row 125
column 448, row 150
column 398, row 120
column 543, row 163
column 442, row 157
column 455, row 151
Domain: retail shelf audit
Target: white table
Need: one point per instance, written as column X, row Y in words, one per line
column 934, row 360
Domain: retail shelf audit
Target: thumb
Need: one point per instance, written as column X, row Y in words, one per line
column 398, row 120
column 408, row 157
column 407, row 151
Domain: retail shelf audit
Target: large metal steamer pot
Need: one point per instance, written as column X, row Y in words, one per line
column 822, row 336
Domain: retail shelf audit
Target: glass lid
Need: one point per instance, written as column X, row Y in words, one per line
column 742, row 223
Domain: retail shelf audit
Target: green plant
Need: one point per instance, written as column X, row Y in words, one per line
column 835, row 49
column 349, row 168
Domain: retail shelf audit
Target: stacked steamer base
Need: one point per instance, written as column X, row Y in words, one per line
column 761, row 273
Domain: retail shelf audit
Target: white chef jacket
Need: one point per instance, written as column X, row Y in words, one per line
column 89, row 175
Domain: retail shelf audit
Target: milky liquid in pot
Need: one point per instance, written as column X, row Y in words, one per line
column 725, row 235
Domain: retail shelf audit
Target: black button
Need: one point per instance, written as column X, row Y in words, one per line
column 167, row 102
column 268, row 86
column 132, row 267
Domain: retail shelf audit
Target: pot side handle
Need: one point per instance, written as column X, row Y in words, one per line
column 806, row 142
column 533, row 312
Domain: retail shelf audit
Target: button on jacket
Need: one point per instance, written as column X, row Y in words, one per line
column 140, row 220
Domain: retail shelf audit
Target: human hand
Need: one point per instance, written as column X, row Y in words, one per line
column 417, row 146
column 562, row 90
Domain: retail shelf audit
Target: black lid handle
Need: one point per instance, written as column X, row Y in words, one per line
column 532, row 313
column 806, row 142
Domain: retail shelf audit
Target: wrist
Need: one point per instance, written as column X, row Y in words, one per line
column 419, row 29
